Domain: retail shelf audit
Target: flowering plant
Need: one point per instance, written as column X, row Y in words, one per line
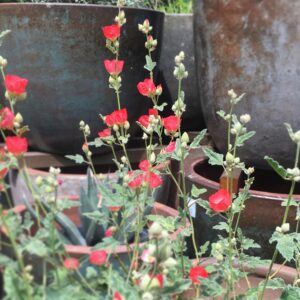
column 158, row 268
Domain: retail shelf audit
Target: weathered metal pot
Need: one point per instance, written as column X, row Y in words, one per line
column 178, row 35
column 253, row 47
column 262, row 213
column 60, row 48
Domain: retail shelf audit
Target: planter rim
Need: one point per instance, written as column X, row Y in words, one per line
column 50, row 4
column 76, row 250
column 179, row 14
column 195, row 177
column 288, row 274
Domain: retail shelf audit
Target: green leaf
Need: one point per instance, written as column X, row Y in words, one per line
column 79, row 159
column 36, row 247
column 150, row 65
column 222, row 114
column 273, row 284
column 289, row 130
column 160, row 107
column 244, row 137
column 197, row 140
column 108, row 243
column 276, row 167
column 214, row 158
column 63, row 204
column 196, row 192
column 222, row 226
column 285, row 244
column 168, row 223
column 290, row 293
column 97, row 143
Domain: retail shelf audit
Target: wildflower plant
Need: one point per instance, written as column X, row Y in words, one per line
column 118, row 212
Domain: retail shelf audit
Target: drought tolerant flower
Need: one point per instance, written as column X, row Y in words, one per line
column 171, row 123
column 114, row 67
column 71, row 263
column 147, row 88
column 16, row 145
column 98, row 257
column 15, row 85
column 196, row 272
column 111, row 32
column 104, row 133
column 7, row 118
column 220, row 201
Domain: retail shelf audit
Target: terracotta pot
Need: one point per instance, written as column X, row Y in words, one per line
column 122, row 251
column 253, row 47
column 263, row 211
column 178, row 35
column 60, row 49
column 256, row 275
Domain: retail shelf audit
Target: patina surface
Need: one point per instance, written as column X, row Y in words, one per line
column 253, row 47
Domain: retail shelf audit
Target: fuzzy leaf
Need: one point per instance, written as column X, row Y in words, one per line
column 222, row 226
column 244, row 137
column 150, row 65
column 285, row 244
column 291, row 293
column 77, row 158
column 160, row 107
column 197, row 140
column 273, row 284
column 168, row 223
column 222, row 114
column 276, row 167
column 196, row 192
column 97, row 143
column 289, row 130
column 36, row 247
column 214, row 158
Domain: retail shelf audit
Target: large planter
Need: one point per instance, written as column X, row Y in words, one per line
column 262, row 213
column 255, row 277
column 60, row 48
column 253, row 47
column 178, row 35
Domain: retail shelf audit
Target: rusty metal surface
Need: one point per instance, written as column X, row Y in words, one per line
column 262, row 213
column 60, row 49
column 253, row 47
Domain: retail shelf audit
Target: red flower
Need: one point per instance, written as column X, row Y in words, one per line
column 196, row 272
column 111, row 32
column 15, row 85
column 3, row 172
column 7, row 118
column 109, row 232
column 147, row 88
column 154, row 180
column 117, row 296
column 152, row 112
column 136, row 182
column 16, row 145
column 104, row 133
column 115, row 208
column 220, row 201
column 171, row 147
column 114, row 67
column 71, row 263
column 117, row 117
column 144, row 120
column 144, row 165
column 98, row 257
column 171, row 123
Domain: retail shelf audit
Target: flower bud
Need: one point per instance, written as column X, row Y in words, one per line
column 87, row 130
column 89, row 154
column 229, row 158
column 185, row 138
column 145, row 136
column 147, row 296
column 231, row 93
column 278, row 229
column 85, row 148
column 296, row 137
column 19, row 118
column 49, row 189
column 169, row 263
column 218, row 246
column 126, row 125
column 219, row 257
column 81, row 124
column 285, row 227
column 116, row 127
column 152, row 157
column 158, row 90
column 155, row 230
column 245, row 118
column 111, row 80
column 39, row 181
column 123, row 159
column 3, row 62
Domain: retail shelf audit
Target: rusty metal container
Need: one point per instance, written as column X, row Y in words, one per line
column 253, row 47
column 60, row 49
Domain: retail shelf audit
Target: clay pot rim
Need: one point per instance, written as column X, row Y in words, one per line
column 76, row 250
column 195, row 177
column 288, row 274
column 50, row 4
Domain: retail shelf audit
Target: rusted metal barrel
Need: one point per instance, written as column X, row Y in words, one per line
column 60, row 49
column 253, row 47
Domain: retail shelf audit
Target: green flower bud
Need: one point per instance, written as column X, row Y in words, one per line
column 185, row 138
column 285, row 227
